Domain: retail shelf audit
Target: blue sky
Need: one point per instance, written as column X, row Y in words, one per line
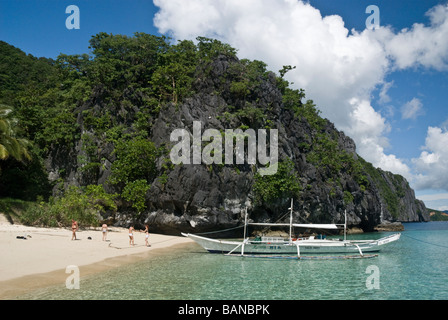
column 386, row 88
column 38, row 26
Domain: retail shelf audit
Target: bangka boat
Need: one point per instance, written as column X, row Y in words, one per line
column 298, row 247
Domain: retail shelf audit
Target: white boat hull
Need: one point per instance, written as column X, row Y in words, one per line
column 298, row 247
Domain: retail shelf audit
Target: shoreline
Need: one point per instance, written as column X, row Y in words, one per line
column 40, row 260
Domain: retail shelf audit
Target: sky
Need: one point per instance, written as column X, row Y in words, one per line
column 380, row 76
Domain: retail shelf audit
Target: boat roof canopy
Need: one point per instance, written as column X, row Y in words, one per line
column 307, row 225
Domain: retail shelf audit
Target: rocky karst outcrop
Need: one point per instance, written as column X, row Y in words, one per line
column 330, row 176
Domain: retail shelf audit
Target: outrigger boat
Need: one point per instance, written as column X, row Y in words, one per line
column 302, row 247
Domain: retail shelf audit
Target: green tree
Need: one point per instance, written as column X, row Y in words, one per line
column 121, row 61
column 134, row 169
column 281, row 185
column 172, row 79
column 10, row 144
column 136, row 159
column 209, row 49
column 85, row 205
column 135, row 193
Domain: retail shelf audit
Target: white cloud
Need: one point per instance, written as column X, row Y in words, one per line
column 412, row 109
column 435, row 200
column 370, row 129
column 434, row 197
column 433, row 161
column 339, row 69
column 444, row 125
column 422, row 45
column 384, row 97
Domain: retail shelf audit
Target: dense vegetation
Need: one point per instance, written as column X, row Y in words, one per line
column 134, row 76
column 437, row 215
column 105, row 104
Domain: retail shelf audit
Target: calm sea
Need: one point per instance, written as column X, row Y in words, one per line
column 415, row 267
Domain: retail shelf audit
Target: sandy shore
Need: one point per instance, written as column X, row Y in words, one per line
column 42, row 258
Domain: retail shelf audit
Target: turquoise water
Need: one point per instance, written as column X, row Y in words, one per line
column 415, row 267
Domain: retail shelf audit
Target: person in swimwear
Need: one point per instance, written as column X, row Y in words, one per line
column 146, row 231
column 74, row 229
column 104, row 230
column 131, row 236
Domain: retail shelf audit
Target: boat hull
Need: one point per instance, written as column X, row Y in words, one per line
column 299, row 247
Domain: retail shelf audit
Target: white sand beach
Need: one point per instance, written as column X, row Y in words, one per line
column 42, row 257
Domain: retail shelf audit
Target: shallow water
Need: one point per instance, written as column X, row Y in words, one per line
column 415, row 267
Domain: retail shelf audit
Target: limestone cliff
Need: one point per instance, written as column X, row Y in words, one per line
column 199, row 197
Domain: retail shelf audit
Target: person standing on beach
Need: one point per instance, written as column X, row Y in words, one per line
column 104, row 230
column 74, row 229
column 131, row 235
column 146, row 231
